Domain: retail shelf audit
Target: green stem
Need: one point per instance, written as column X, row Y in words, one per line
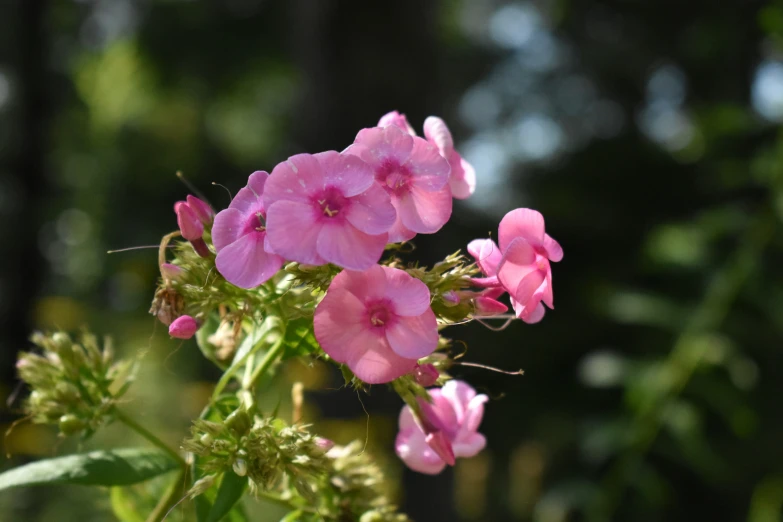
column 269, row 359
column 175, row 493
column 141, row 430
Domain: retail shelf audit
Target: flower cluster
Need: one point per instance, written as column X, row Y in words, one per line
column 313, row 246
column 74, row 385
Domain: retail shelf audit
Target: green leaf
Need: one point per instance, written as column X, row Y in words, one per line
column 231, row 489
column 119, row 467
column 203, row 334
column 300, row 338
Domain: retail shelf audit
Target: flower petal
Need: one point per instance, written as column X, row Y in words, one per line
column 470, row 446
column 553, row 249
column 346, row 246
column 437, row 133
column 372, row 211
column 395, row 118
column 529, row 316
column 245, row 263
column 373, row 361
column 386, row 143
column 517, row 261
column 248, row 197
column 463, row 177
column 346, row 172
column 410, row 296
column 414, row 337
column 424, row 212
column 293, row 231
column 295, row 179
column 430, row 170
column 337, row 321
column 366, row 286
column 459, row 394
column 522, row 222
column 529, row 286
column 227, row 228
column 399, row 232
column 487, row 255
column 414, row 451
column 474, row 413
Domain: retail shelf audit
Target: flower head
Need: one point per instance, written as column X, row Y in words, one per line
column 414, row 175
column 463, row 177
column 183, row 327
column 395, row 118
column 378, row 322
column 326, row 208
column 520, row 265
column 240, row 237
column 448, row 428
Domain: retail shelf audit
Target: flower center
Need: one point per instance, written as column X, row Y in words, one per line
column 379, row 315
column 331, row 202
column 542, row 263
column 394, row 176
column 261, row 223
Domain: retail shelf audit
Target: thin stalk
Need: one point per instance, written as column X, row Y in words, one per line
column 269, row 359
column 141, row 430
column 175, row 493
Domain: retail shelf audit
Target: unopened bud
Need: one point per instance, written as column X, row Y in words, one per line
column 239, row 422
column 438, row 442
column 183, row 327
column 171, row 272
column 240, row 467
column 201, row 486
column 70, row 424
column 450, row 298
column 425, row 374
column 489, row 306
column 61, row 341
column 202, row 210
column 190, row 226
column 206, row 439
column 324, row 444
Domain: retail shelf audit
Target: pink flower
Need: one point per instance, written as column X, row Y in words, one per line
column 395, row 118
column 463, row 176
column 326, row 208
column 202, row 209
column 520, row 265
column 413, row 173
column 488, row 306
column 378, row 322
column 171, row 272
column 449, row 429
column 183, row 327
column 240, row 237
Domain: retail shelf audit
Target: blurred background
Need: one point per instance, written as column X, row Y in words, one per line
column 646, row 132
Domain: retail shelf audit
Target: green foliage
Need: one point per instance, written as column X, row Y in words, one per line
column 118, row 467
column 231, row 489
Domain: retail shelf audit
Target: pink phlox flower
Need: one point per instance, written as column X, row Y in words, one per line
column 378, row 322
column 414, row 175
column 524, row 270
column 183, row 327
column 398, row 119
column 240, row 237
column 327, row 208
column 448, row 429
column 463, row 176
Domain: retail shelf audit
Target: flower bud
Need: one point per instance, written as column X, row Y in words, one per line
column 171, row 272
column 189, row 224
column 488, row 306
column 450, row 298
column 70, row 425
column 240, row 467
column 239, row 422
column 183, row 327
column 425, row 375
column 206, row 439
column 324, row 444
column 202, row 210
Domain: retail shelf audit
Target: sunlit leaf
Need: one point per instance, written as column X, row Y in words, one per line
column 99, row 468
